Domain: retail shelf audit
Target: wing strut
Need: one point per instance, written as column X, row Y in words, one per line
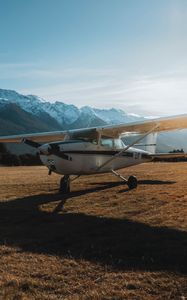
column 119, row 175
column 126, row 148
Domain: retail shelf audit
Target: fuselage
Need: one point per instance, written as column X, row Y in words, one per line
column 80, row 157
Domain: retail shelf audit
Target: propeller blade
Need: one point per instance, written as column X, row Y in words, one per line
column 31, row 143
column 55, row 149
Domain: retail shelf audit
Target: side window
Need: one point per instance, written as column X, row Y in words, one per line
column 118, row 144
column 108, row 143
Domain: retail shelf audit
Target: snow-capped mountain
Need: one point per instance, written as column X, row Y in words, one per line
column 29, row 103
column 115, row 116
column 61, row 112
column 66, row 115
column 25, row 114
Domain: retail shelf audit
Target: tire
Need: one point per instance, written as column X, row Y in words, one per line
column 65, row 185
column 132, row 182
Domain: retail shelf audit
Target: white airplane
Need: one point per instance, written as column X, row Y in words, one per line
column 99, row 149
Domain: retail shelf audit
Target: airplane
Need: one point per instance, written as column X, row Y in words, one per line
column 96, row 150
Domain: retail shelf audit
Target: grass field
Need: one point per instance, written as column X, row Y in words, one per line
column 102, row 241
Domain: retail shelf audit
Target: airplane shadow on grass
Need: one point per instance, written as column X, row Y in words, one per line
column 142, row 182
column 119, row 243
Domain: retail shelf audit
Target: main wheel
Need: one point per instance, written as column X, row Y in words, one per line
column 132, row 182
column 65, row 184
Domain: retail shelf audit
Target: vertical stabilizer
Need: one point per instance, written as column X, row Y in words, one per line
column 148, row 143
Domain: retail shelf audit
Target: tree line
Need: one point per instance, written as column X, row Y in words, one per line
column 9, row 159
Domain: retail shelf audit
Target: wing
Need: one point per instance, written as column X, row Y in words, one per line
column 43, row 137
column 156, row 125
column 37, row 137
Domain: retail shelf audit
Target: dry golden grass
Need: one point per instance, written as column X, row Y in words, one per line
column 101, row 242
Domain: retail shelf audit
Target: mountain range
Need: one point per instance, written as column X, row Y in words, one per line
column 28, row 113
column 42, row 115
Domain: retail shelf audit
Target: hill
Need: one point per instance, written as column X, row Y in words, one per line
column 15, row 120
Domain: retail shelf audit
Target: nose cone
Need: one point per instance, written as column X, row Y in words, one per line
column 44, row 149
column 46, row 158
column 48, row 149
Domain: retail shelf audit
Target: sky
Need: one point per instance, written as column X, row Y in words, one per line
column 128, row 54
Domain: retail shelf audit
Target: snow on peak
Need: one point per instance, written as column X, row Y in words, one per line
column 112, row 115
column 64, row 114
column 36, row 98
column 87, row 110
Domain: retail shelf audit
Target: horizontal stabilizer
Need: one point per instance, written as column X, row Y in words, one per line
column 169, row 155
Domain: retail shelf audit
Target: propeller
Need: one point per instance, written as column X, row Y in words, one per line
column 47, row 149
column 55, row 150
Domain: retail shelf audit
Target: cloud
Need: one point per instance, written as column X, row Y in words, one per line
column 163, row 95
column 40, row 72
column 159, row 93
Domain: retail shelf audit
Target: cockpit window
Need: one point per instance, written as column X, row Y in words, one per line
column 112, row 143
column 108, row 143
column 118, row 144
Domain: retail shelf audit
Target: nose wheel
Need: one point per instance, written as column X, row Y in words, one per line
column 65, row 185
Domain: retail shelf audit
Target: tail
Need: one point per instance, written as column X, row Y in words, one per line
column 148, row 143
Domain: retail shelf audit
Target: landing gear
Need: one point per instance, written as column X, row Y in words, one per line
column 65, row 184
column 132, row 182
